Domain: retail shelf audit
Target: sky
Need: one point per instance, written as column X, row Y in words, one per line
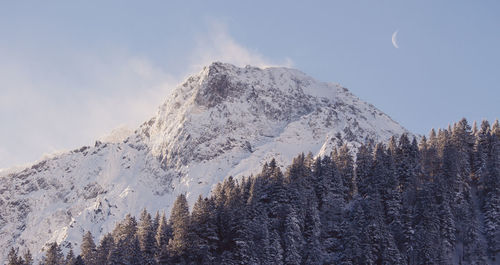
column 71, row 72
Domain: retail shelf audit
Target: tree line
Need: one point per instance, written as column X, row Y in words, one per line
column 432, row 201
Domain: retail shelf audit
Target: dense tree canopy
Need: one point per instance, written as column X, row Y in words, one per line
column 436, row 201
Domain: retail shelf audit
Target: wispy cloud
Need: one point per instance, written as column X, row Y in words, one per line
column 218, row 45
column 50, row 102
column 67, row 104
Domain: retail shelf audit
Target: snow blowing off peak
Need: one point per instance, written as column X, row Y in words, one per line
column 224, row 121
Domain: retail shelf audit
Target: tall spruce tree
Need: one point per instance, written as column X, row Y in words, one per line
column 126, row 247
column 146, row 237
column 292, row 239
column 345, row 166
column 70, row 257
column 204, row 231
column 54, row 255
column 180, row 242
column 163, row 235
column 88, row 249
column 363, row 168
column 104, row 249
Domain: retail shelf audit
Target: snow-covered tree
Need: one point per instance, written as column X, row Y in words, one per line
column 88, row 249
column 181, row 239
column 146, row 237
column 54, row 255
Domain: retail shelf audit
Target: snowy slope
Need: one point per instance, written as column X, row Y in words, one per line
column 224, row 121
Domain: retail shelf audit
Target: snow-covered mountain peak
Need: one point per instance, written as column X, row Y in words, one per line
column 223, row 121
column 224, row 99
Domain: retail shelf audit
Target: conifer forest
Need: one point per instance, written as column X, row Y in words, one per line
column 425, row 200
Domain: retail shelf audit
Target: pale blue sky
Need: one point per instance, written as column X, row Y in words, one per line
column 71, row 72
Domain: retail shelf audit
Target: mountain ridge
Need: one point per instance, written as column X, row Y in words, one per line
column 224, row 121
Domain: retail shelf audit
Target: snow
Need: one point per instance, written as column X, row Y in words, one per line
column 117, row 135
column 224, row 121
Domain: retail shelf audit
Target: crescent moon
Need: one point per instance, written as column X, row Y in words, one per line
column 394, row 40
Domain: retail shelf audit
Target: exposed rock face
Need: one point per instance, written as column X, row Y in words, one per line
column 223, row 121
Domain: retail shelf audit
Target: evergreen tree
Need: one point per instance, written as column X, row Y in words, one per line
column 105, row 247
column 353, row 222
column 331, row 203
column 163, row 235
column 54, row 255
column 276, row 252
column 363, row 168
column 345, row 166
column 426, row 229
column 463, row 140
column 292, row 239
column 480, row 157
column 447, row 229
column 312, row 254
column 70, row 257
column 156, row 221
column 146, row 236
column 117, row 255
column 127, row 249
column 204, row 229
column 180, row 221
column 88, row 249
column 491, row 207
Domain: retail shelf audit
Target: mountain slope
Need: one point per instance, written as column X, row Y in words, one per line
column 222, row 121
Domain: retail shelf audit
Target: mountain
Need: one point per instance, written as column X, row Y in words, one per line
column 224, row 121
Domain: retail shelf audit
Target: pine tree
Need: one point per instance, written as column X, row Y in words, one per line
column 238, row 230
column 491, row 207
column 430, row 155
column 427, row 236
column 292, row 239
column 88, row 249
column 312, row 254
column 345, row 166
column 54, row 255
column 70, row 257
column 156, row 221
column 163, row 235
column 480, row 157
column 146, row 236
column 363, row 168
column 474, row 250
column 276, row 252
column 126, row 229
column 127, row 247
column 407, row 163
column 105, row 247
column 134, row 254
column 447, row 229
column 117, row 255
column 353, row 222
column 180, row 221
column 331, row 204
column 463, row 140
column 204, row 231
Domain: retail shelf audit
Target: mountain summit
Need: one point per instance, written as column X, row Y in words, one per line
column 224, row 121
